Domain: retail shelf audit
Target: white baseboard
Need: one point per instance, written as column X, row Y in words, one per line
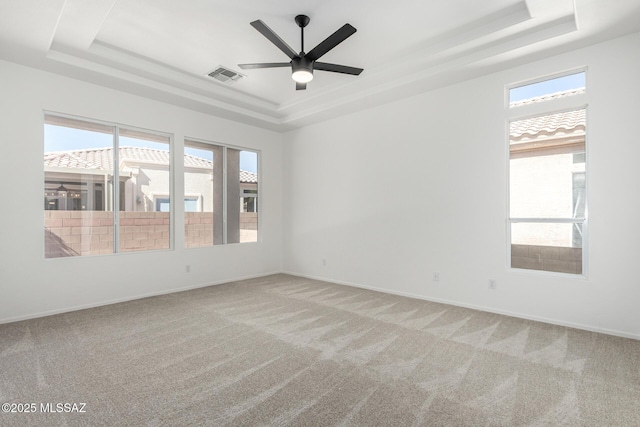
column 477, row 307
column 339, row 282
column 130, row 298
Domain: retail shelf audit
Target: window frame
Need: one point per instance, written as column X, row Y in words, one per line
column 225, row 147
column 247, row 194
column 115, row 200
column 544, row 108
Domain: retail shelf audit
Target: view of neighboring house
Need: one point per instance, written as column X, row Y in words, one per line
column 82, row 180
column 547, row 178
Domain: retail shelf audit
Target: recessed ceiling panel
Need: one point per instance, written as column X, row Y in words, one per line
column 195, row 36
column 165, row 49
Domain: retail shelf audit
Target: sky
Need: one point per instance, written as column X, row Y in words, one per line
column 572, row 81
column 60, row 138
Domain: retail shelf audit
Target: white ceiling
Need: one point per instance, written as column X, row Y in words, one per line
column 164, row 49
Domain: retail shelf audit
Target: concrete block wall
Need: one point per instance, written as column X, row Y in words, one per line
column 248, row 220
column 144, row 231
column 73, row 233
column 547, row 258
column 198, row 229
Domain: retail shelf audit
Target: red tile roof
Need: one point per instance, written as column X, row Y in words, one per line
column 548, row 97
column 566, row 122
column 102, row 159
column 547, row 126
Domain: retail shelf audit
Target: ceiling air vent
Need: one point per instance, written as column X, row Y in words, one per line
column 225, row 75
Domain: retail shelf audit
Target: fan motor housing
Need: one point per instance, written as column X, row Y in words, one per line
column 301, row 63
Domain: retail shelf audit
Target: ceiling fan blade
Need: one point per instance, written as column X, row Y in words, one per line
column 274, row 38
column 264, row 65
column 337, row 68
column 330, row 42
column 301, row 86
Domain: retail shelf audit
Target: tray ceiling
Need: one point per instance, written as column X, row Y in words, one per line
column 164, row 49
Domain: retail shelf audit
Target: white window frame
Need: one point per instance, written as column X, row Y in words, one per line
column 114, row 201
column 548, row 107
column 224, row 147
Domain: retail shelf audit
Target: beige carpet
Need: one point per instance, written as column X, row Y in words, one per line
column 283, row 350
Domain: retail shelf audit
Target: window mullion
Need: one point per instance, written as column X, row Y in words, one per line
column 224, row 195
column 549, row 220
column 116, row 190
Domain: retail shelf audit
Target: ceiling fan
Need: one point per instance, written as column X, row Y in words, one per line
column 303, row 64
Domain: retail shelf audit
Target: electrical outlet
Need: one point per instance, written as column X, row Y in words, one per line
column 187, row 268
column 324, row 262
column 492, row 284
column 436, row 277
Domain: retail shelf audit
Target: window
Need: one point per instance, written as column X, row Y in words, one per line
column 547, row 183
column 249, row 200
column 163, row 204
column 83, row 215
column 247, row 179
column 211, row 218
column 192, row 204
column 548, row 89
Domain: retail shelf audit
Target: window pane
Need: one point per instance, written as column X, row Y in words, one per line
column 248, row 196
column 78, row 188
column 547, row 246
column 548, row 89
column 144, row 191
column 547, row 166
column 242, row 179
column 163, row 204
column 83, row 198
column 203, row 190
column 545, row 234
column 547, row 187
column 191, row 205
column 547, row 179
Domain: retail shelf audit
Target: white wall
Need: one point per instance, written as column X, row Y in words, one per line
column 389, row 195
column 32, row 286
column 386, row 196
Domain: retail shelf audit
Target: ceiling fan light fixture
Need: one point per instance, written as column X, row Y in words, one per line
column 302, row 70
column 302, row 76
